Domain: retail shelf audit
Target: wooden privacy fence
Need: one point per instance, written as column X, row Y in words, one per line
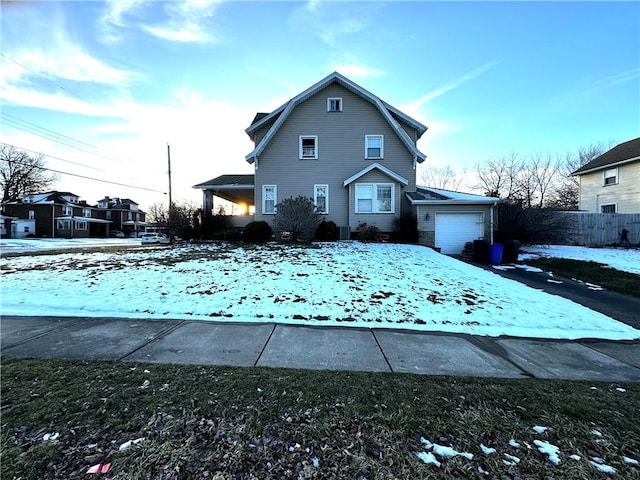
column 598, row 229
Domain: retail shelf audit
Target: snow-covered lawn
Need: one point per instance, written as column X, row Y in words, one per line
column 22, row 245
column 625, row 259
column 349, row 283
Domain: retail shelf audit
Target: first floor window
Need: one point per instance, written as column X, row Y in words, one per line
column 374, row 198
column 63, row 225
column 610, row 208
column 374, row 146
column 309, row 147
column 26, row 229
column 32, row 214
column 321, row 198
column 269, row 196
column 611, row 176
column 81, row 225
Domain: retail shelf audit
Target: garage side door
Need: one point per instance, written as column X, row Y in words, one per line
column 453, row 230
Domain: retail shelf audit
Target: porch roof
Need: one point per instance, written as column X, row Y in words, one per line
column 233, row 188
column 83, row 219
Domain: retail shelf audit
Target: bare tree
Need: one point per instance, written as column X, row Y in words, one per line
column 499, row 178
column 21, row 173
column 567, row 190
column 445, row 178
column 542, row 171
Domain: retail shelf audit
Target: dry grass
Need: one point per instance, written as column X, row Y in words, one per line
column 223, row 423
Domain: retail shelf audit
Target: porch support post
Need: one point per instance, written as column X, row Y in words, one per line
column 207, row 202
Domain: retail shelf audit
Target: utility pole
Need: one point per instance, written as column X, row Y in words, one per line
column 170, row 215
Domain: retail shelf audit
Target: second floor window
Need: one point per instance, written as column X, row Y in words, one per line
column 86, row 212
column 32, row 214
column 108, row 215
column 66, row 210
column 611, row 176
column 308, row 147
column 374, row 146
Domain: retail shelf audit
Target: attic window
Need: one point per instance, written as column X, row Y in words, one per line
column 334, row 104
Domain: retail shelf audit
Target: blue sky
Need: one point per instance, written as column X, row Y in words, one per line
column 126, row 77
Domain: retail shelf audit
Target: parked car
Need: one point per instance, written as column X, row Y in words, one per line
column 149, row 238
column 116, row 234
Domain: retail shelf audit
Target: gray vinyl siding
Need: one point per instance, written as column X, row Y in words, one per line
column 341, row 152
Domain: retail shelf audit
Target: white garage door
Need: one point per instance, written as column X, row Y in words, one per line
column 453, row 230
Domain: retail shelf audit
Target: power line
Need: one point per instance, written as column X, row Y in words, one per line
column 77, row 175
column 32, row 128
column 56, row 158
column 42, row 76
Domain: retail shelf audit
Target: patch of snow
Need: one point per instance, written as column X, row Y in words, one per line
column 550, row 280
column 514, row 444
column 629, row 460
column 344, row 284
column 603, row 467
column 316, row 462
column 510, row 459
column 528, row 268
column 539, row 429
column 626, row 260
column 428, row 458
column 503, row 268
column 596, row 433
column 427, row 444
column 618, row 389
column 448, row 452
column 550, row 450
column 482, row 470
column 487, row 450
column 575, row 457
column 128, row 444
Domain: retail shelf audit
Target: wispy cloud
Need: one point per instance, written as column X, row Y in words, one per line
column 586, row 91
column 333, row 21
column 358, row 71
column 452, row 85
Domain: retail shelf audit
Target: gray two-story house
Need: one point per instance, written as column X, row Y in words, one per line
column 337, row 143
column 355, row 156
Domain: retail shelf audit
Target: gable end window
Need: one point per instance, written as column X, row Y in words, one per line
column 373, row 146
column 321, row 198
column 334, row 104
column 374, row 198
column 610, row 176
column 308, row 147
column 269, row 199
column 609, row 208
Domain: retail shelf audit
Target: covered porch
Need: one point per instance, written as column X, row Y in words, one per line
column 236, row 194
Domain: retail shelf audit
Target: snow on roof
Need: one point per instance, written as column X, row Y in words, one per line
column 424, row 195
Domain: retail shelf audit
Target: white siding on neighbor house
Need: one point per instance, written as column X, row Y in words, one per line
column 341, row 141
column 625, row 194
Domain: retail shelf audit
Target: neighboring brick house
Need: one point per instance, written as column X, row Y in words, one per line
column 56, row 215
column 124, row 215
column 352, row 153
column 610, row 183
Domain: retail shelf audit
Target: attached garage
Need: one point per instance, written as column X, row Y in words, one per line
column 453, row 230
column 447, row 220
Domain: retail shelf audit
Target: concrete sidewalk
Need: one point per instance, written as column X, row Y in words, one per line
column 281, row 345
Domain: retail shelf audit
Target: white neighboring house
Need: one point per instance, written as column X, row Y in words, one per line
column 610, row 183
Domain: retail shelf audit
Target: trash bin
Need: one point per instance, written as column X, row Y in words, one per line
column 510, row 251
column 495, row 255
column 481, row 251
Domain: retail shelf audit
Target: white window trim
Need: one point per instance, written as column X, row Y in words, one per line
column 315, row 196
column 275, row 199
column 604, row 177
column 329, row 100
column 374, row 205
column 615, row 205
column 63, row 224
column 66, row 210
column 315, row 150
column 366, row 147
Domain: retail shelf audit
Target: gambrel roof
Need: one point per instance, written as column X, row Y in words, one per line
column 391, row 114
column 625, row 152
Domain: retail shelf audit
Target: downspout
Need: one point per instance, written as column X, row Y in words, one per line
column 492, row 207
column 53, row 220
column 415, row 161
